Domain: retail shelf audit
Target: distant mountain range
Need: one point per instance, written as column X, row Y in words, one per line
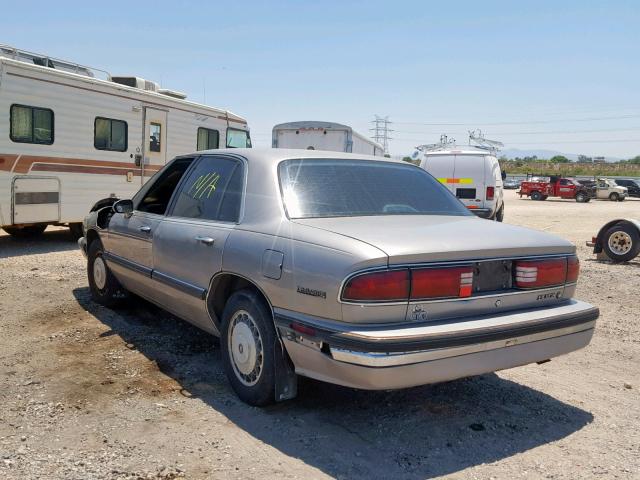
column 514, row 152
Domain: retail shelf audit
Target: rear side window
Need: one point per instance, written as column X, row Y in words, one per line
column 313, row 188
column 31, row 124
column 213, row 191
column 208, row 139
column 110, row 134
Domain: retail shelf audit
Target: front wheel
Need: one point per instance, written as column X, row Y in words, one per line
column 614, row 197
column 248, row 340
column 105, row 288
column 622, row 243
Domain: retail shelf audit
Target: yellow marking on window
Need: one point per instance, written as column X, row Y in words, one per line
column 204, row 184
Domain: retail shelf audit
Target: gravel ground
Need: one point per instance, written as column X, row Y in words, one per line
column 89, row 393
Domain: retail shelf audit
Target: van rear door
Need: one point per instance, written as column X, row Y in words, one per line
column 441, row 167
column 469, row 180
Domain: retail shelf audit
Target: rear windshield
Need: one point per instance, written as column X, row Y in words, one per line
column 314, row 188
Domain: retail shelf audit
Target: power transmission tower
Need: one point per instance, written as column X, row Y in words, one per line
column 381, row 131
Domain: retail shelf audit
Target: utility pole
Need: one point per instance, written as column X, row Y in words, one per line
column 381, row 131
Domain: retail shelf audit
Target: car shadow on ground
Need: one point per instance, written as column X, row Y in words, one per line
column 58, row 240
column 415, row 433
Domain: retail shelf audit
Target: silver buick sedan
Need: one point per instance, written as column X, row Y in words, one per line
column 355, row 270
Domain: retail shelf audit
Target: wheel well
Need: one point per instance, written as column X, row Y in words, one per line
column 92, row 235
column 223, row 286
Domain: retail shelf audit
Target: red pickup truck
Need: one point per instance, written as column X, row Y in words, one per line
column 541, row 189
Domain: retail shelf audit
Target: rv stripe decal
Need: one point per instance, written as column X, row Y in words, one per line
column 456, row 180
column 28, row 163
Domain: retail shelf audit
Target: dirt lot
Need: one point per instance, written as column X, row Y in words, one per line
column 87, row 392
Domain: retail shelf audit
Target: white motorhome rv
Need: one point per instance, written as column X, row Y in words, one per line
column 471, row 172
column 311, row 135
column 69, row 138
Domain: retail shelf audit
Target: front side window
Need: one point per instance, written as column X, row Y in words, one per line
column 110, row 134
column 213, row 191
column 238, row 138
column 314, row 188
column 155, row 197
column 208, row 139
column 31, row 124
column 155, row 137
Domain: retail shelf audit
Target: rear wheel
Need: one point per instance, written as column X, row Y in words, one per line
column 25, row 232
column 500, row 213
column 248, row 339
column 105, row 288
column 622, row 242
column 614, row 197
column 536, row 195
column 582, row 197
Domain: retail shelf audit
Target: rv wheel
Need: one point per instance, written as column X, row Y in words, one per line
column 25, row 232
column 105, row 288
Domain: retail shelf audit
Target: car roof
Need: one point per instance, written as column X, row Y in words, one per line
column 276, row 155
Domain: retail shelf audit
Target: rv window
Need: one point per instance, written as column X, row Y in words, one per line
column 212, row 191
column 208, row 139
column 155, row 137
column 238, row 138
column 110, row 134
column 31, row 124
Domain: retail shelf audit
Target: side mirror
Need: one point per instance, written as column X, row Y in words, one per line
column 123, row 206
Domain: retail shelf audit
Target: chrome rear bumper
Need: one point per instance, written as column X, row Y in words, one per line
column 398, row 357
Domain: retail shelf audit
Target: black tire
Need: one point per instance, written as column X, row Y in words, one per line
column 110, row 293
column 582, row 197
column 626, row 234
column 257, row 386
column 535, row 195
column 544, row 197
column 614, row 197
column 621, row 199
column 75, row 229
column 500, row 213
column 25, row 232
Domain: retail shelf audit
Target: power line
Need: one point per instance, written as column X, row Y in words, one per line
column 530, row 122
column 381, row 131
column 543, row 132
column 628, row 140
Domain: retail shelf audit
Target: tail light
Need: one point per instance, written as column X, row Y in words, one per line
column 490, row 193
column 441, row 283
column 378, row 287
column 573, row 269
column 540, row 273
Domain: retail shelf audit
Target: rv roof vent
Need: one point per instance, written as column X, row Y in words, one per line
column 136, row 82
column 172, row 93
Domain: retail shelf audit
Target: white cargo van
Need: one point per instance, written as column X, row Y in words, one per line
column 471, row 173
column 312, row 135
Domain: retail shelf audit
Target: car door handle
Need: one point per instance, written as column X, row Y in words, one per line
column 205, row 240
column 145, row 229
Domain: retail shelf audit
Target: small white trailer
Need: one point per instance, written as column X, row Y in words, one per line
column 312, row 135
column 69, row 138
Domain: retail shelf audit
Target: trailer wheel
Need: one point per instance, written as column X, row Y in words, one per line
column 582, row 197
column 25, row 232
column 621, row 243
column 105, row 288
column 535, row 195
column 614, row 197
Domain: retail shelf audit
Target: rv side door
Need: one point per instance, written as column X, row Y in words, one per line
column 154, row 142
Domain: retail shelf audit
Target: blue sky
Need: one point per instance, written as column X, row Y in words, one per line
column 537, row 76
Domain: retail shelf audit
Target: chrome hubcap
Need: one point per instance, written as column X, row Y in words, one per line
column 99, row 273
column 245, row 348
column 620, row 243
